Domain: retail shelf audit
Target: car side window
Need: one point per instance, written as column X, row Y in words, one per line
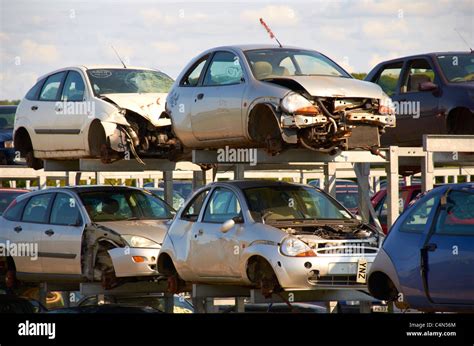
column 457, row 215
column 191, row 78
column 192, row 210
column 388, row 78
column 36, row 209
column 73, row 89
column 416, row 220
column 13, row 213
column 50, row 89
column 418, row 72
column 65, row 211
column 32, row 94
column 224, row 69
column 223, row 205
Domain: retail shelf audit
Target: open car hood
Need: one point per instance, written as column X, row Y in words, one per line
column 149, row 106
column 152, row 229
column 327, row 86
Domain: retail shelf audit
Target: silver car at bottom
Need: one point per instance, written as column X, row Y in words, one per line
column 266, row 234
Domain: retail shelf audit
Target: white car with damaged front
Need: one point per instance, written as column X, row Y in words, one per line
column 106, row 112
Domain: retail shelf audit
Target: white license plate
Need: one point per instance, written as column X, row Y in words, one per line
column 379, row 308
column 362, row 269
column 342, row 268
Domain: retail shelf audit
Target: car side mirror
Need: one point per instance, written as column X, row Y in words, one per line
column 227, row 226
column 427, row 86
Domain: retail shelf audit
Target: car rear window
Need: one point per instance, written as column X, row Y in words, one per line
column 14, row 211
column 6, row 198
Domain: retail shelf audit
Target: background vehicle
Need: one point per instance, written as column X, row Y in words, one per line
column 347, row 193
column 105, row 309
column 7, row 196
column 11, row 304
column 379, row 202
column 443, row 86
column 434, row 272
column 85, row 233
column 275, row 98
column 159, row 192
column 94, row 111
column 7, row 119
column 277, row 308
column 267, row 234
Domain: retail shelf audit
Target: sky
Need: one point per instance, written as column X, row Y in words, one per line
column 37, row 37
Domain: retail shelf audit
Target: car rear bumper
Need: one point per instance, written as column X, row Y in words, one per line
column 321, row 272
column 129, row 262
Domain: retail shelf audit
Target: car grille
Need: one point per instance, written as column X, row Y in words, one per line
column 334, row 280
column 352, row 248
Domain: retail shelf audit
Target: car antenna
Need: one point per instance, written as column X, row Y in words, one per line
column 118, row 56
column 270, row 32
column 462, row 38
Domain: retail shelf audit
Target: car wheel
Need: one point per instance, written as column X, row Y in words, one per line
column 32, row 161
column 461, row 123
column 261, row 273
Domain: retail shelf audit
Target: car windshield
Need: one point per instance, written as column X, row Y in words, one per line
column 349, row 199
column 128, row 81
column 124, row 205
column 292, row 203
column 457, row 68
column 7, row 117
column 6, row 198
column 273, row 63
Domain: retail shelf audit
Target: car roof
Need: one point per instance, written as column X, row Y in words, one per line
column 13, row 190
column 245, row 47
column 88, row 188
column 95, row 66
column 431, row 54
column 246, row 184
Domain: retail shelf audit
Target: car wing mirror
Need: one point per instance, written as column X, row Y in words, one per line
column 227, row 226
column 427, row 86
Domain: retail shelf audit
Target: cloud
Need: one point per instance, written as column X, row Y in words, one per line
column 166, row 46
column 273, row 15
column 33, row 51
column 379, row 28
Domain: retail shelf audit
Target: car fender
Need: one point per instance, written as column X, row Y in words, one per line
column 266, row 249
column 384, row 264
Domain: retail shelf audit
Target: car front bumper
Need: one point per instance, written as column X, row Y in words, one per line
column 129, row 262
column 322, row 272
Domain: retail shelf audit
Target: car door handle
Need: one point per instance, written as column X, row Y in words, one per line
column 200, row 96
column 430, row 247
column 58, row 108
column 18, row 229
column 200, row 232
column 49, row 232
column 33, row 108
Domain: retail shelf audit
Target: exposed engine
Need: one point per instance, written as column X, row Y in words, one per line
column 352, row 123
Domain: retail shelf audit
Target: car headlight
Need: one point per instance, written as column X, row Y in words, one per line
column 294, row 103
column 137, row 241
column 8, row 144
column 294, row 247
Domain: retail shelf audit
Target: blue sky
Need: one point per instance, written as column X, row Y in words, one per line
column 37, row 37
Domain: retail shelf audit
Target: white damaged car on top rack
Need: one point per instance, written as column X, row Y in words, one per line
column 94, row 111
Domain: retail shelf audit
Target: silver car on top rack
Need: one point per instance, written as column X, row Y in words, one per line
column 267, row 234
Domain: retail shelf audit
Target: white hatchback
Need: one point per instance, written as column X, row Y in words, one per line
column 105, row 112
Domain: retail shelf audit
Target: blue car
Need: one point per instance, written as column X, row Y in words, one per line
column 427, row 260
column 7, row 118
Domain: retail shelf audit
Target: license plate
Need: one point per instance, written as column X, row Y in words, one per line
column 342, row 268
column 379, row 308
column 362, row 271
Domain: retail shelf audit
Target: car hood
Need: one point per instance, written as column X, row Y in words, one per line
column 6, row 135
column 327, row 86
column 152, row 229
column 150, row 105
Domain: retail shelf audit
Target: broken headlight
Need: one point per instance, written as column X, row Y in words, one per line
column 294, row 247
column 137, row 241
column 294, row 103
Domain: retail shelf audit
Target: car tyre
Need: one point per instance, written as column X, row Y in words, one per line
column 32, row 161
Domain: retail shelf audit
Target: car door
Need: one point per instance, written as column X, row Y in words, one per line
column 450, row 251
column 72, row 112
column 388, row 78
column 61, row 243
column 223, row 206
column 216, row 113
column 34, row 222
column 405, row 251
column 210, row 248
column 418, row 109
column 43, row 113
